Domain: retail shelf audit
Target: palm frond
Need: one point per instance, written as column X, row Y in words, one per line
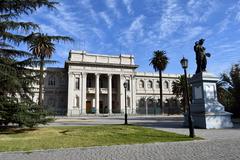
column 13, row 53
column 159, row 60
column 12, row 25
column 41, row 45
column 5, row 45
column 7, row 16
column 13, row 38
column 19, row 7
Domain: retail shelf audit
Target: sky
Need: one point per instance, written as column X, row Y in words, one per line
column 139, row 27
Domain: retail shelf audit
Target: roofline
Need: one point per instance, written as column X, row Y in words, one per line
column 100, row 55
column 101, row 64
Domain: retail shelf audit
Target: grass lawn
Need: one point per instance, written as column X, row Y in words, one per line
column 82, row 136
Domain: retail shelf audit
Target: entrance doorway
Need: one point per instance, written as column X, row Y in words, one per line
column 101, row 108
column 89, row 107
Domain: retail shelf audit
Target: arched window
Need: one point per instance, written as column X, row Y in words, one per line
column 157, row 84
column 141, row 102
column 150, row 84
column 141, row 84
column 166, row 85
column 51, row 81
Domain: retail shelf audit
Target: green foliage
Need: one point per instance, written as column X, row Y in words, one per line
column 25, row 114
column 159, row 60
column 42, row 47
column 229, row 90
column 159, row 63
column 178, row 88
column 16, row 76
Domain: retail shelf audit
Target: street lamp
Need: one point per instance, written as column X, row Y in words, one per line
column 125, row 84
column 184, row 63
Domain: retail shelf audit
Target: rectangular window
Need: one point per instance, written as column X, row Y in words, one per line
column 77, row 82
column 128, row 85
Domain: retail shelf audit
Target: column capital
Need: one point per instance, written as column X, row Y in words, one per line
column 110, row 75
column 84, row 74
column 97, row 74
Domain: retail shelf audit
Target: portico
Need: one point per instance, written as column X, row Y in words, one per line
column 93, row 84
column 98, row 83
column 99, row 93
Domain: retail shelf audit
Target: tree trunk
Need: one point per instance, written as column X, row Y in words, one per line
column 160, row 87
column 40, row 98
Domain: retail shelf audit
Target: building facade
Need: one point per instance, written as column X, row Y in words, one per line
column 93, row 84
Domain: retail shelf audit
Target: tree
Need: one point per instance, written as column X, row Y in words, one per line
column 159, row 62
column 16, row 75
column 178, row 88
column 42, row 47
column 229, row 89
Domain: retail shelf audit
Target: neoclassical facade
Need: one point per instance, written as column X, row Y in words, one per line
column 93, row 84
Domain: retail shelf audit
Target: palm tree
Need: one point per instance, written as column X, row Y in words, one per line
column 159, row 62
column 229, row 89
column 42, row 47
column 178, row 88
column 16, row 75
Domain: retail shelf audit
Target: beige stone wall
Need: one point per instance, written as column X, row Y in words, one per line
column 64, row 97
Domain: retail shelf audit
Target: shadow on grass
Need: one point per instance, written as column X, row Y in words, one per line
column 14, row 130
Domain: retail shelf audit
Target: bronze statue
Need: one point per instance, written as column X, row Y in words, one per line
column 201, row 56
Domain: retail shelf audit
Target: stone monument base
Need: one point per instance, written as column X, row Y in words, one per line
column 210, row 120
column 206, row 111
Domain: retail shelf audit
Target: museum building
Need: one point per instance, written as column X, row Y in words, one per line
column 93, row 84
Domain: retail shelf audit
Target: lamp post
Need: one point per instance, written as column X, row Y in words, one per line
column 125, row 84
column 184, row 63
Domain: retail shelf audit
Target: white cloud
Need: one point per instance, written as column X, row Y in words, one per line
column 99, row 33
column 87, row 4
column 224, row 53
column 112, row 4
column 201, row 10
column 232, row 15
column 172, row 18
column 106, row 18
column 66, row 20
column 134, row 32
column 234, row 11
column 48, row 29
column 128, row 4
column 192, row 33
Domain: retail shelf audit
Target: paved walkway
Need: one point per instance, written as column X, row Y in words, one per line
column 223, row 144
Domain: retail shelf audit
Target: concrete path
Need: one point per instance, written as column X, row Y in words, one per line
column 223, row 144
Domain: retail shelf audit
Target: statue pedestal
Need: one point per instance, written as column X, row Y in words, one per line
column 206, row 111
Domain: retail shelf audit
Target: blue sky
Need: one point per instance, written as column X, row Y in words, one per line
column 139, row 27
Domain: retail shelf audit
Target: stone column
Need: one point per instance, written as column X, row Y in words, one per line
column 122, row 94
column 97, row 93
column 70, row 91
column 146, row 105
column 110, row 93
column 84, row 89
column 133, row 91
column 80, row 94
